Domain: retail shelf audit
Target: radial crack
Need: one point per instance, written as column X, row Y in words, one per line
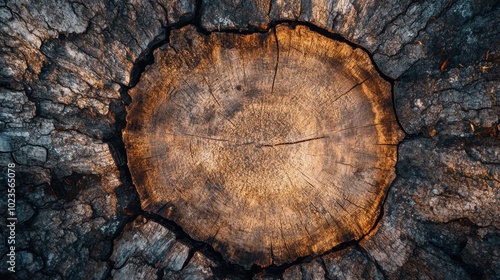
column 294, row 142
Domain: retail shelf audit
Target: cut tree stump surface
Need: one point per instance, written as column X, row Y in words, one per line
column 67, row 69
column 269, row 146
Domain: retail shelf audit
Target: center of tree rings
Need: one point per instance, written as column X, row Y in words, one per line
column 269, row 146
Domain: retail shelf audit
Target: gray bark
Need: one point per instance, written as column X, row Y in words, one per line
column 65, row 71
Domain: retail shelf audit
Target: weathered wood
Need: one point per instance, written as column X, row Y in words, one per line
column 269, row 146
column 66, row 67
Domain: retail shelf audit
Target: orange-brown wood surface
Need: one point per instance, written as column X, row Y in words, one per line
column 269, row 146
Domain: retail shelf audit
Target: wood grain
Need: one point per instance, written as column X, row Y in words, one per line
column 269, row 146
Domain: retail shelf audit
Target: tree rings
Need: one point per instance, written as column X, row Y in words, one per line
column 268, row 146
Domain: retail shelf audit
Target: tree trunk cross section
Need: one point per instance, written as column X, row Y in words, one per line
column 268, row 146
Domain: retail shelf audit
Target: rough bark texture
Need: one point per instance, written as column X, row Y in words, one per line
column 66, row 68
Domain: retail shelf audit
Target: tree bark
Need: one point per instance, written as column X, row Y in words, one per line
column 307, row 85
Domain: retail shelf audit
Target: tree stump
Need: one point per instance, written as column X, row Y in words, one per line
column 269, row 146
